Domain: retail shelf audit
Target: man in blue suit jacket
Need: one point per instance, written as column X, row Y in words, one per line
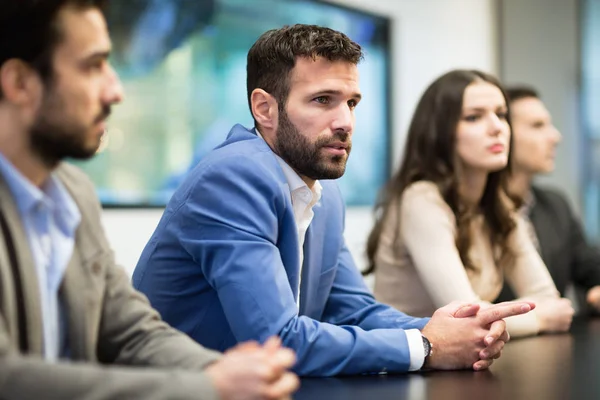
column 252, row 242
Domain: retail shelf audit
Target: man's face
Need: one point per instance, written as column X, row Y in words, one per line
column 70, row 119
column 315, row 126
column 535, row 138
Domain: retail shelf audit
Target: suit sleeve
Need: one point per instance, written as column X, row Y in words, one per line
column 229, row 226
column 585, row 271
column 29, row 378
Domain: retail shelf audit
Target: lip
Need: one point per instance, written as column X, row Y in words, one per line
column 337, row 148
column 496, row 148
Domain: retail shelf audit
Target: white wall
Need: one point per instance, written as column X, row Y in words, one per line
column 526, row 29
column 429, row 37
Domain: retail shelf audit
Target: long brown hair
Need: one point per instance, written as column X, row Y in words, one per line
column 429, row 156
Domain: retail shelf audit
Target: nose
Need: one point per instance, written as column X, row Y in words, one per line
column 344, row 119
column 496, row 124
column 113, row 92
column 556, row 136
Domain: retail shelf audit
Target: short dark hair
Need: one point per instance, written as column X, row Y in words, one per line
column 273, row 56
column 515, row 93
column 28, row 30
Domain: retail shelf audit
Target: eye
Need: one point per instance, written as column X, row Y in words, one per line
column 96, row 65
column 472, row 118
column 322, row 99
column 538, row 125
column 502, row 115
column 352, row 104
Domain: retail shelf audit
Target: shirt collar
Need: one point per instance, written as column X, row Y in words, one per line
column 53, row 194
column 26, row 194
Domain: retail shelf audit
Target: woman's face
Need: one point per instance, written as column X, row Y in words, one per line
column 483, row 133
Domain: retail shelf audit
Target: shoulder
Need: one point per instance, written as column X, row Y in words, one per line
column 83, row 192
column 551, row 198
column 422, row 203
column 76, row 182
column 423, row 195
column 243, row 163
column 243, row 153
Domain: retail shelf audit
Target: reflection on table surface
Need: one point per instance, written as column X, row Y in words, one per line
column 562, row 366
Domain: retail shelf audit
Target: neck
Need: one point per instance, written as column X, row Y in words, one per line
column 15, row 147
column 471, row 186
column 309, row 182
column 520, row 184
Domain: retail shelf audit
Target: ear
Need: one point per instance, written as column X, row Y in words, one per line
column 19, row 83
column 264, row 109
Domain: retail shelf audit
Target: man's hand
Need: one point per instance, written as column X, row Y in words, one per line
column 464, row 336
column 593, row 297
column 250, row 371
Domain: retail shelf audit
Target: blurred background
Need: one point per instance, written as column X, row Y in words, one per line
column 183, row 67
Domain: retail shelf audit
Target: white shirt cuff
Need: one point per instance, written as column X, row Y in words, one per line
column 416, row 349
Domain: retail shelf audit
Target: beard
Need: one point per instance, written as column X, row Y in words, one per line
column 54, row 136
column 306, row 158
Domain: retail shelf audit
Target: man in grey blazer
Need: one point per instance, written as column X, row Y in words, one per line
column 71, row 325
column 556, row 230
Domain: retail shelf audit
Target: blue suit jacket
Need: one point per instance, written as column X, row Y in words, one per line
column 223, row 267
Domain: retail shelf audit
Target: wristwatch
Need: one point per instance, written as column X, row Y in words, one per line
column 428, row 350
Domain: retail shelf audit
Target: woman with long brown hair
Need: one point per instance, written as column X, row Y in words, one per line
column 446, row 230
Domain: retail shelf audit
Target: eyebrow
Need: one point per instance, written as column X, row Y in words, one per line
column 482, row 109
column 332, row 92
column 104, row 54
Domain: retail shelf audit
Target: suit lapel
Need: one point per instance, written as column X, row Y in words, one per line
column 74, row 301
column 310, row 305
column 26, row 265
column 543, row 231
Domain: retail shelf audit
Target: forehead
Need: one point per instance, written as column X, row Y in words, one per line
column 321, row 74
column 82, row 32
column 529, row 108
column 481, row 94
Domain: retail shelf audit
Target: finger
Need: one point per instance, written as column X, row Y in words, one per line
column 466, row 310
column 505, row 337
column 497, row 329
column 272, row 344
column 593, row 296
column 501, row 311
column 482, row 364
column 497, row 356
column 504, row 303
column 490, row 351
column 283, row 387
column 284, row 358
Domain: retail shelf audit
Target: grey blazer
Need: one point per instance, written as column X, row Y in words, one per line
column 108, row 322
column 563, row 247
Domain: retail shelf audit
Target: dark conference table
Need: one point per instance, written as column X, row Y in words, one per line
column 547, row 367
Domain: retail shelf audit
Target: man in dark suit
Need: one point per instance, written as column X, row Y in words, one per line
column 557, row 232
column 71, row 325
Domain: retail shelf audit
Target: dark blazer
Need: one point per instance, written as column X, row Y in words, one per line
column 108, row 321
column 563, row 247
